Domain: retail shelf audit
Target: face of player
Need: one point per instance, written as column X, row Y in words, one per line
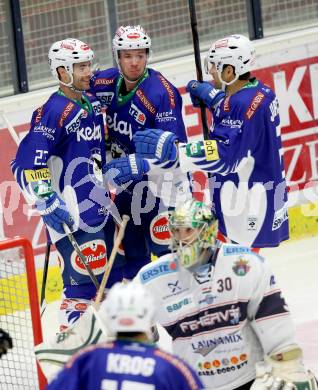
column 81, row 75
column 227, row 75
column 185, row 235
column 133, row 63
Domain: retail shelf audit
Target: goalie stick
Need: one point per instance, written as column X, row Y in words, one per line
column 89, row 329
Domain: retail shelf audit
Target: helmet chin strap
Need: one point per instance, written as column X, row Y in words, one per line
column 70, row 84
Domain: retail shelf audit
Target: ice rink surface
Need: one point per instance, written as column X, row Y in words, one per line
column 295, row 265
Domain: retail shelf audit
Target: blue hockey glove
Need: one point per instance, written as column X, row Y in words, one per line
column 204, row 92
column 54, row 213
column 155, row 143
column 122, row 170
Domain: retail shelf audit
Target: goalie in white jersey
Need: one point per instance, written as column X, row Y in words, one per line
column 222, row 307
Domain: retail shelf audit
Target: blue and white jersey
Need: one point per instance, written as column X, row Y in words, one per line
column 124, row 365
column 222, row 316
column 154, row 103
column 64, row 151
column 244, row 153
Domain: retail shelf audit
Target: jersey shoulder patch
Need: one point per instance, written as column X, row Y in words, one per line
column 165, row 265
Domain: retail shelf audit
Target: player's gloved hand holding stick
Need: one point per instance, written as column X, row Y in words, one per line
column 204, row 92
column 54, row 212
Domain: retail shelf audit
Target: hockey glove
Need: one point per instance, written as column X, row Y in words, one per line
column 122, row 170
column 5, row 342
column 155, row 143
column 54, row 213
column 204, row 92
column 287, row 373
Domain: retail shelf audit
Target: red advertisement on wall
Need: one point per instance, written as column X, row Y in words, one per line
column 296, row 86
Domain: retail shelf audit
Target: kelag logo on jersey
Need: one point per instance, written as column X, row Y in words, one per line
column 122, row 127
column 159, row 229
column 95, row 253
column 164, row 268
column 89, row 134
column 137, row 114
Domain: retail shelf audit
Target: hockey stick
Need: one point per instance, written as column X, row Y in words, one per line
column 16, row 138
column 197, row 58
column 112, row 256
column 81, row 256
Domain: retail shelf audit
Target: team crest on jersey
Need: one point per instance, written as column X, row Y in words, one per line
column 159, row 229
column 96, row 257
column 203, row 274
column 241, row 267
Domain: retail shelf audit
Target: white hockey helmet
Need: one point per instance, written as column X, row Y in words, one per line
column 128, row 308
column 200, row 226
column 236, row 50
column 130, row 38
column 66, row 53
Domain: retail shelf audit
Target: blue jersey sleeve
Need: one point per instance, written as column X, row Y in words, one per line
column 169, row 110
column 30, row 165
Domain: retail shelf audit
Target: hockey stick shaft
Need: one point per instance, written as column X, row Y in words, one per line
column 81, row 256
column 197, row 58
column 112, row 256
column 11, row 130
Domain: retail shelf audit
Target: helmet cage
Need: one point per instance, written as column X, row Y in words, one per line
column 66, row 53
column 197, row 216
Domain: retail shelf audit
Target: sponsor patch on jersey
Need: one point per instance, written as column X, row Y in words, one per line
column 39, row 114
column 95, row 253
column 252, row 223
column 45, row 131
column 236, row 250
column 75, row 124
column 204, row 347
column 103, row 81
column 167, row 267
column 137, row 114
column 232, row 123
column 241, row 267
column 89, row 134
column 226, row 104
column 122, row 127
column 37, row 175
column 257, row 100
column 66, row 112
column 145, row 101
column 97, row 108
column 105, row 97
column 203, row 274
column 211, row 150
column 223, row 365
column 280, row 216
column 165, row 116
column 184, row 303
column 169, row 89
column 159, row 229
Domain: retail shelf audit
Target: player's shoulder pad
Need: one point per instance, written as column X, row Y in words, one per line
column 165, row 265
column 235, row 250
column 104, row 78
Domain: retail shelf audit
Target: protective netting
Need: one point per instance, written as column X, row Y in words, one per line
column 18, row 369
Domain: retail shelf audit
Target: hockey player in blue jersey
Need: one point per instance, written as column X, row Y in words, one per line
column 129, row 362
column 137, row 97
column 244, row 153
column 58, row 166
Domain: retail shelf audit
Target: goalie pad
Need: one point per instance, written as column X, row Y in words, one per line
column 284, row 372
column 53, row 354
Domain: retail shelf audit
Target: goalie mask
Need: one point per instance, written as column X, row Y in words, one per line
column 66, row 53
column 130, row 38
column 235, row 50
column 193, row 227
column 128, row 308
